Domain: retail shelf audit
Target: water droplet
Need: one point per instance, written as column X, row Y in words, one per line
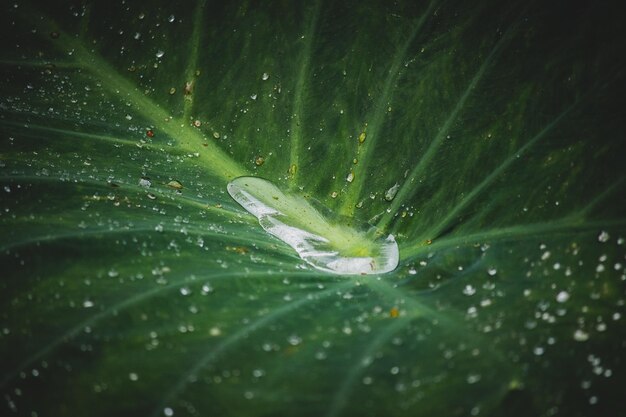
column 492, row 271
column 294, row 340
column 391, row 193
column 562, row 296
column 88, row 304
column 473, row 378
column 265, row 76
column 168, row 412
column 603, row 237
column 469, row 290
column 215, row 331
column 160, row 54
column 350, row 177
column 362, row 137
column 253, row 96
column 581, row 336
column 175, row 185
column 133, row 376
column 331, row 247
column 171, row 18
column 145, row 182
column 259, row 161
column 216, row 135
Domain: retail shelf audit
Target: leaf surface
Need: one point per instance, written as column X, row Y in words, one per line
column 487, row 138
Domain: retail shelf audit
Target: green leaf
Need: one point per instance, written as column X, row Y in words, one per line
column 488, row 139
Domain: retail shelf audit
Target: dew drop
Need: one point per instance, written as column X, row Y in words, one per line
column 469, row 290
column 581, row 336
column 562, row 296
column 175, row 185
column 391, row 193
column 160, row 54
column 328, row 246
column 603, row 237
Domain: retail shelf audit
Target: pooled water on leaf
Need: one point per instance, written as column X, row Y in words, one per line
column 329, row 246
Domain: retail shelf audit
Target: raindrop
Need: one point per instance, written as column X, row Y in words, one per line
column 581, row 335
column 294, row 340
column 473, row 378
column 391, row 193
column 160, row 54
column 175, row 185
column 603, row 237
column 350, row 177
column 469, row 290
column 492, row 271
column 265, row 76
column 171, row 18
column 325, row 245
column 562, row 296
column 168, row 412
column 133, row 376
column 145, row 182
